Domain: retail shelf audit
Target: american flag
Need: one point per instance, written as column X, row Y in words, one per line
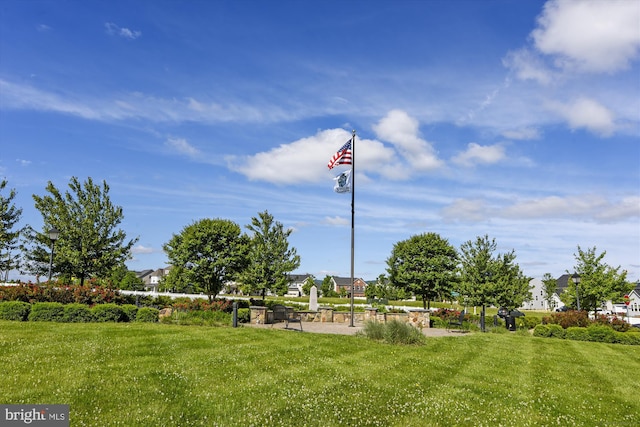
column 342, row 157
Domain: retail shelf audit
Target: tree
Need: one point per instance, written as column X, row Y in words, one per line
column 123, row 278
column 598, row 281
column 9, row 217
column 424, row 264
column 549, row 287
column 208, row 253
column 270, row 258
column 90, row 244
column 327, row 287
column 177, row 281
column 487, row 279
column 308, row 284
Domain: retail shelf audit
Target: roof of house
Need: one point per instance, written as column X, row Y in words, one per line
column 345, row 281
column 143, row 273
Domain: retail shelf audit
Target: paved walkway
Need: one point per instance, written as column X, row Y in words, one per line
column 345, row 329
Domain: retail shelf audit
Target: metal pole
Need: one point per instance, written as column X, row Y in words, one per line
column 53, row 245
column 353, row 193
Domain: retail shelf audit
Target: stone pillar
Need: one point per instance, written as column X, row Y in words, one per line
column 419, row 318
column 258, row 315
column 313, row 298
column 326, row 314
column 370, row 314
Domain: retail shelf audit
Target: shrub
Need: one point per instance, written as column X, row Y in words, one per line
column 130, row 311
column 14, row 310
column 393, row 332
column 568, row 319
column 77, row 313
column 108, row 313
column 556, row 331
column 541, row 331
column 628, row 338
column 527, row 322
column 47, row 312
column 244, row 315
column 576, row 333
column 599, row 333
column 147, row 314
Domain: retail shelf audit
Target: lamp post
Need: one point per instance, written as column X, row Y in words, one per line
column 576, row 281
column 53, row 236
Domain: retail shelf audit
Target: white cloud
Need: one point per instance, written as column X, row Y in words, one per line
column 305, row 160
column 528, row 66
column 23, row 162
column 182, row 146
column 586, row 113
column 402, row 131
column 142, row 250
column 115, row 30
column 593, row 207
column 336, row 220
column 522, row 134
column 594, row 36
column 480, row 154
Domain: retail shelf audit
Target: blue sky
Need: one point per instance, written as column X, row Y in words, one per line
column 520, row 120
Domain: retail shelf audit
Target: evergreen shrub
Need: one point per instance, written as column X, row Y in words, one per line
column 77, row 313
column 130, row 311
column 147, row 314
column 14, row 310
column 108, row 313
column 47, row 312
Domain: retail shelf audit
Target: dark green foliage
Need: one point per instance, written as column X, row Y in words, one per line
column 599, row 333
column 108, row 313
column 424, row 265
column 14, row 310
column 244, row 315
column 576, row 333
column 130, row 311
column 556, row 331
column 90, row 243
column 147, row 314
column 77, row 313
column 47, row 312
column 9, row 234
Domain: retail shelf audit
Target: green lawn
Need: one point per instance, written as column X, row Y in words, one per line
column 165, row 375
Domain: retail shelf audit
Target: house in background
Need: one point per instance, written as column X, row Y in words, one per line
column 151, row 278
column 537, row 301
column 296, row 282
column 340, row 283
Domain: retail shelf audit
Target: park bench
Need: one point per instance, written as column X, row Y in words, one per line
column 281, row 313
column 457, row 324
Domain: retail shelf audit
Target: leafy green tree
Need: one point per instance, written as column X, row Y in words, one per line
column 90, row 244
column 424, row 264
column 177, row 281
column 9, row 235
column 487, row 279
column 207, row 253
column 123, row 278
column 326, row 288
column 549, row 287
column 598, row 281
column 308, row 284
column 270, row 258
column 512, row 286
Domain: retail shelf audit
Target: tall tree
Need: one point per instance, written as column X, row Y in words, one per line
column 425, row 265
column 90, row 243
column 9, row 235
column 270, row 258
column 327, row 287
column 598, row 281
column 549, row 287
column 477, row 271
column 308, row 284
column 512, row 286
column 208, row 252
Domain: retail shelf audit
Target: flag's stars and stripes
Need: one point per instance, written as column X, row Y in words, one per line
column 342, row 156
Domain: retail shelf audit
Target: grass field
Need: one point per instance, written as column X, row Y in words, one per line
column 166, row 375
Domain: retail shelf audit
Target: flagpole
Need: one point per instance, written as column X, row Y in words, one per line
column 353, row 193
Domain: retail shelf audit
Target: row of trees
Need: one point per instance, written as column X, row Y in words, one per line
column 204, row 255
column 210, row 252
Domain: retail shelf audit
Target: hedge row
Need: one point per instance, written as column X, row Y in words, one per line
column 76, row 313
column 595, row 333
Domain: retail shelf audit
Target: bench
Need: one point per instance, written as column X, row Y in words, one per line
column 459, row 324
column 282, row 313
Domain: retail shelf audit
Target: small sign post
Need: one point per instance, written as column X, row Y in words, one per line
column 627, row 301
